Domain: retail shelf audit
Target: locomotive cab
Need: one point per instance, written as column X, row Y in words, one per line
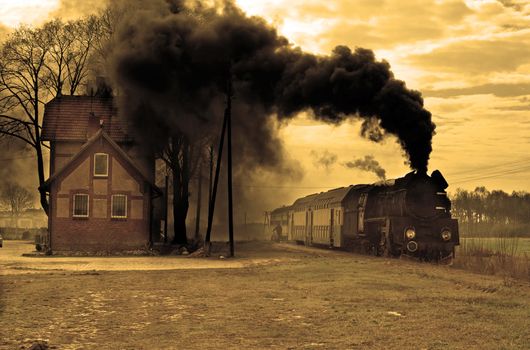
column 418, row 212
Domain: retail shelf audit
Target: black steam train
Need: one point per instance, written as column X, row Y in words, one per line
column 406, row 216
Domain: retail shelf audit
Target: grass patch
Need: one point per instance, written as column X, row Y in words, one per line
column 502, row 255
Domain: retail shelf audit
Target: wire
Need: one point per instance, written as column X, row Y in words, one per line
column 494, row 172
column 501, row 174
column 292, row 187
column 510, row 164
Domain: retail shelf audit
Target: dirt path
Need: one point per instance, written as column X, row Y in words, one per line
column 12, row 261
column 302, row 298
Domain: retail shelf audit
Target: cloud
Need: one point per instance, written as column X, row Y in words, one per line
column 516, row 5
column 515, row 108
column 497, row 89
column 375, row 24
column 72, row 9
column 475, row 56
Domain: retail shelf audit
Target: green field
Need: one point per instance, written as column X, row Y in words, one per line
column 519, row 246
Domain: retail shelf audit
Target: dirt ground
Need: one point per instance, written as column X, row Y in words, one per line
column 275, row 296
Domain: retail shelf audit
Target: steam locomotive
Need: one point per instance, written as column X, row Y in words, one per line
column 406, row 216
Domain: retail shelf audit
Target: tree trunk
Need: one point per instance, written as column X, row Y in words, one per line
column 180, row 150
column 40, row 167
column 40, row 161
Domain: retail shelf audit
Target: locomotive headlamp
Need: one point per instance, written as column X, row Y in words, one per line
column 446, row 234
column 410, row 233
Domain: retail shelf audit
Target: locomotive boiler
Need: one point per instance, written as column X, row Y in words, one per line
column 406, row 216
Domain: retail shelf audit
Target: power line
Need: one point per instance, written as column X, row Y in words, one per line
column 290, row 187
column 494, row 172
column 515, row 163
column 501, row 174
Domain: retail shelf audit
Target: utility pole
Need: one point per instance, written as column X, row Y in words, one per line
column 211, row 206
column 229, row 142
column 227, row 124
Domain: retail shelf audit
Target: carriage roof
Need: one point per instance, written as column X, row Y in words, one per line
column 323, row 199
column 281, row 210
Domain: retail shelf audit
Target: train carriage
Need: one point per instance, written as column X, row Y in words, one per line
column 319, row 218
column 280, row 223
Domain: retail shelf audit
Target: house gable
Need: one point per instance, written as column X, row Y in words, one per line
column 99, row 143
column 83, row 216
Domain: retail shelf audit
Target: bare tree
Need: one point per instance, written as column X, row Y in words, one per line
column 36, row 64
column 183, row 157
column 71, row 45
column 22, row 74
column 16, row 198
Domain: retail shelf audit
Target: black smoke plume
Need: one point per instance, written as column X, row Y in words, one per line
column 171, row 60
column 368, row 163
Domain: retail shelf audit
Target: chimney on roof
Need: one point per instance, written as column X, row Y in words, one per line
column 99, row 88
column 103, row 87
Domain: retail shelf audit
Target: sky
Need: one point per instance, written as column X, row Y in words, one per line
column 470, row 60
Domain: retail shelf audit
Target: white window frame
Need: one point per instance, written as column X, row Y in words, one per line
column 112, row 206
column 107, row 166
column 87, row 205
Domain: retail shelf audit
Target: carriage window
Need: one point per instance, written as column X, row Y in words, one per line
column 119, row 206
column 80, row 205
column 101, row 164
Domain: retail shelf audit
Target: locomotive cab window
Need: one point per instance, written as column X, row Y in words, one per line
column 101, row 164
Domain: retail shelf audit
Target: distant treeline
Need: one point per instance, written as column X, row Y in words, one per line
column 481, row 212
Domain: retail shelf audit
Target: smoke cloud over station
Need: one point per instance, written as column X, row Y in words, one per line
column 171, row 60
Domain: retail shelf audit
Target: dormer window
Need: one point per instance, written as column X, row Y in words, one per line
column 101, row 164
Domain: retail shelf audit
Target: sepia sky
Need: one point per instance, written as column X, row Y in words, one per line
column 470, row 59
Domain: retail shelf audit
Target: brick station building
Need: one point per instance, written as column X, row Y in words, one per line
column 101, row 186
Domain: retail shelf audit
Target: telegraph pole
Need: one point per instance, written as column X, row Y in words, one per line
column 214, row 190
column 227, row 124
column 229, row 144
